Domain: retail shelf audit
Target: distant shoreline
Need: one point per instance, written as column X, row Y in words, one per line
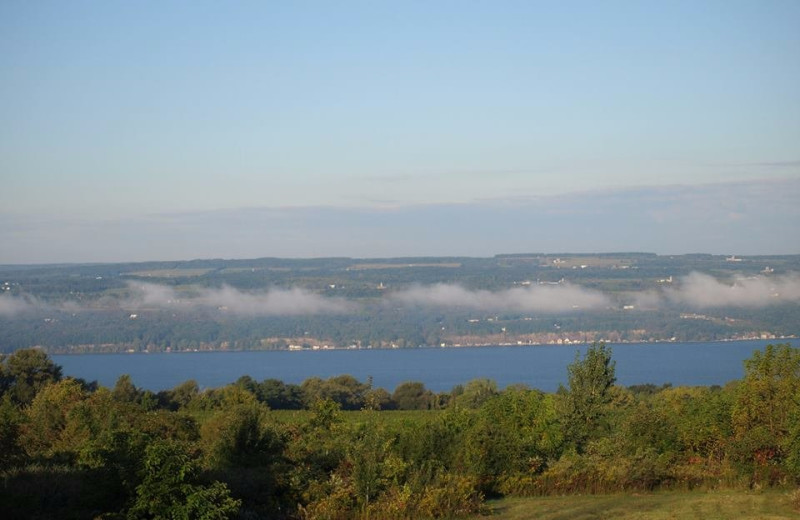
column 780, row 339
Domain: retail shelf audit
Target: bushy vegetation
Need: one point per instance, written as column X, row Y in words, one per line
column 339, row 448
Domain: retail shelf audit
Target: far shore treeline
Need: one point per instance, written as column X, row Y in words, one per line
column 339, row 448
column 296, row 304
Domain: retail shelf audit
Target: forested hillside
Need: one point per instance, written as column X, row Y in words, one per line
column 408, row 302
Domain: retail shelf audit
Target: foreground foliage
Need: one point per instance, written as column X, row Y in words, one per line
column 73, row 450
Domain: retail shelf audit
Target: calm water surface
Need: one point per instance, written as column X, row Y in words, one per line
column 542, row 367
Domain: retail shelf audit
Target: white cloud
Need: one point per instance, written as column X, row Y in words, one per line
column 274, row 302
column 540, row 298
column 696, row 290
column 149, row 295
column 646, row 299
column 702, row 290
column 13, row 305
column 279, row 302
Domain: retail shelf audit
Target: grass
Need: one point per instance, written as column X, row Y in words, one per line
column 713, row 505
column 170, row 273
column 370, row 266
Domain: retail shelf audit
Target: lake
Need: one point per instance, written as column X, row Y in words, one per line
column 543, row 367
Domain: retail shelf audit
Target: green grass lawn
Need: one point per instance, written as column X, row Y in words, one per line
column 714, row 505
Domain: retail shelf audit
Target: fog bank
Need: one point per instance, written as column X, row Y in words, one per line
column 539, row 298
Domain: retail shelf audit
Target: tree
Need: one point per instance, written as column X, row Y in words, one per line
column 325, row 414
column 767, row 407
column 181, row 395
column 28, row 371
column 378, row 399
column 411, row 395
column 371, row 462
column 477, row 392
column 10, row 421
column 513, row 433
column 125, row 391
column 345, row 390
column 248, row 383
column 696, row 420
column 349, row 390
column 47, row 419
column 770, row 387
column 240, row 436
column 280, row 396
column 590, row 382
column 171, row 489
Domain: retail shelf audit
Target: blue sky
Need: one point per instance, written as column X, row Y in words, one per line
column 148, row 130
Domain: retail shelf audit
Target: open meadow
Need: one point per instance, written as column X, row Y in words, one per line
column 712, row 505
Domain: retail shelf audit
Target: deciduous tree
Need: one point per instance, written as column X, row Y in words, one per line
column 586, row 401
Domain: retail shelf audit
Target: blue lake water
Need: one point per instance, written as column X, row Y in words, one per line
column 542, row 367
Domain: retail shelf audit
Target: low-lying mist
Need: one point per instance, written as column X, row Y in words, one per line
column 704, row 291
column 694, row 291
column 13, row 305
column 540, row 298
column 274, row 302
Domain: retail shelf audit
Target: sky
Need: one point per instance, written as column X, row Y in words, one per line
column 150, row 130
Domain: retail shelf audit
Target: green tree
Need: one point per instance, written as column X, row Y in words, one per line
column 326, row 413
column 171, row 489
column 47, row 419
column 125, row 391
column 766, row 407
column 181, row 395
column 28, row 371
column 280, row 396
column 248, row 383
column 697, row 419
column 412, row 395
column 240, row 436
column 371, row 461
column 10, row 424
column 477, row 392
column 378, row 399
column 586, row 402
column 345, row 390
column 516, row 432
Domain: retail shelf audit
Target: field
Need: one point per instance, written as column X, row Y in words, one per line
column 369, row 266
column 169, row 273
column 715, row 505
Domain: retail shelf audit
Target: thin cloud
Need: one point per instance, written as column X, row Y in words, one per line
column 274, row 302
column 540, row 298
column 14, row 305
column 649, row 299
column 278, row 302
column 446, row 174
column 696, row 290
column 748, row 217
column 767, row 164
column 149, row 295
column 702, row 290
